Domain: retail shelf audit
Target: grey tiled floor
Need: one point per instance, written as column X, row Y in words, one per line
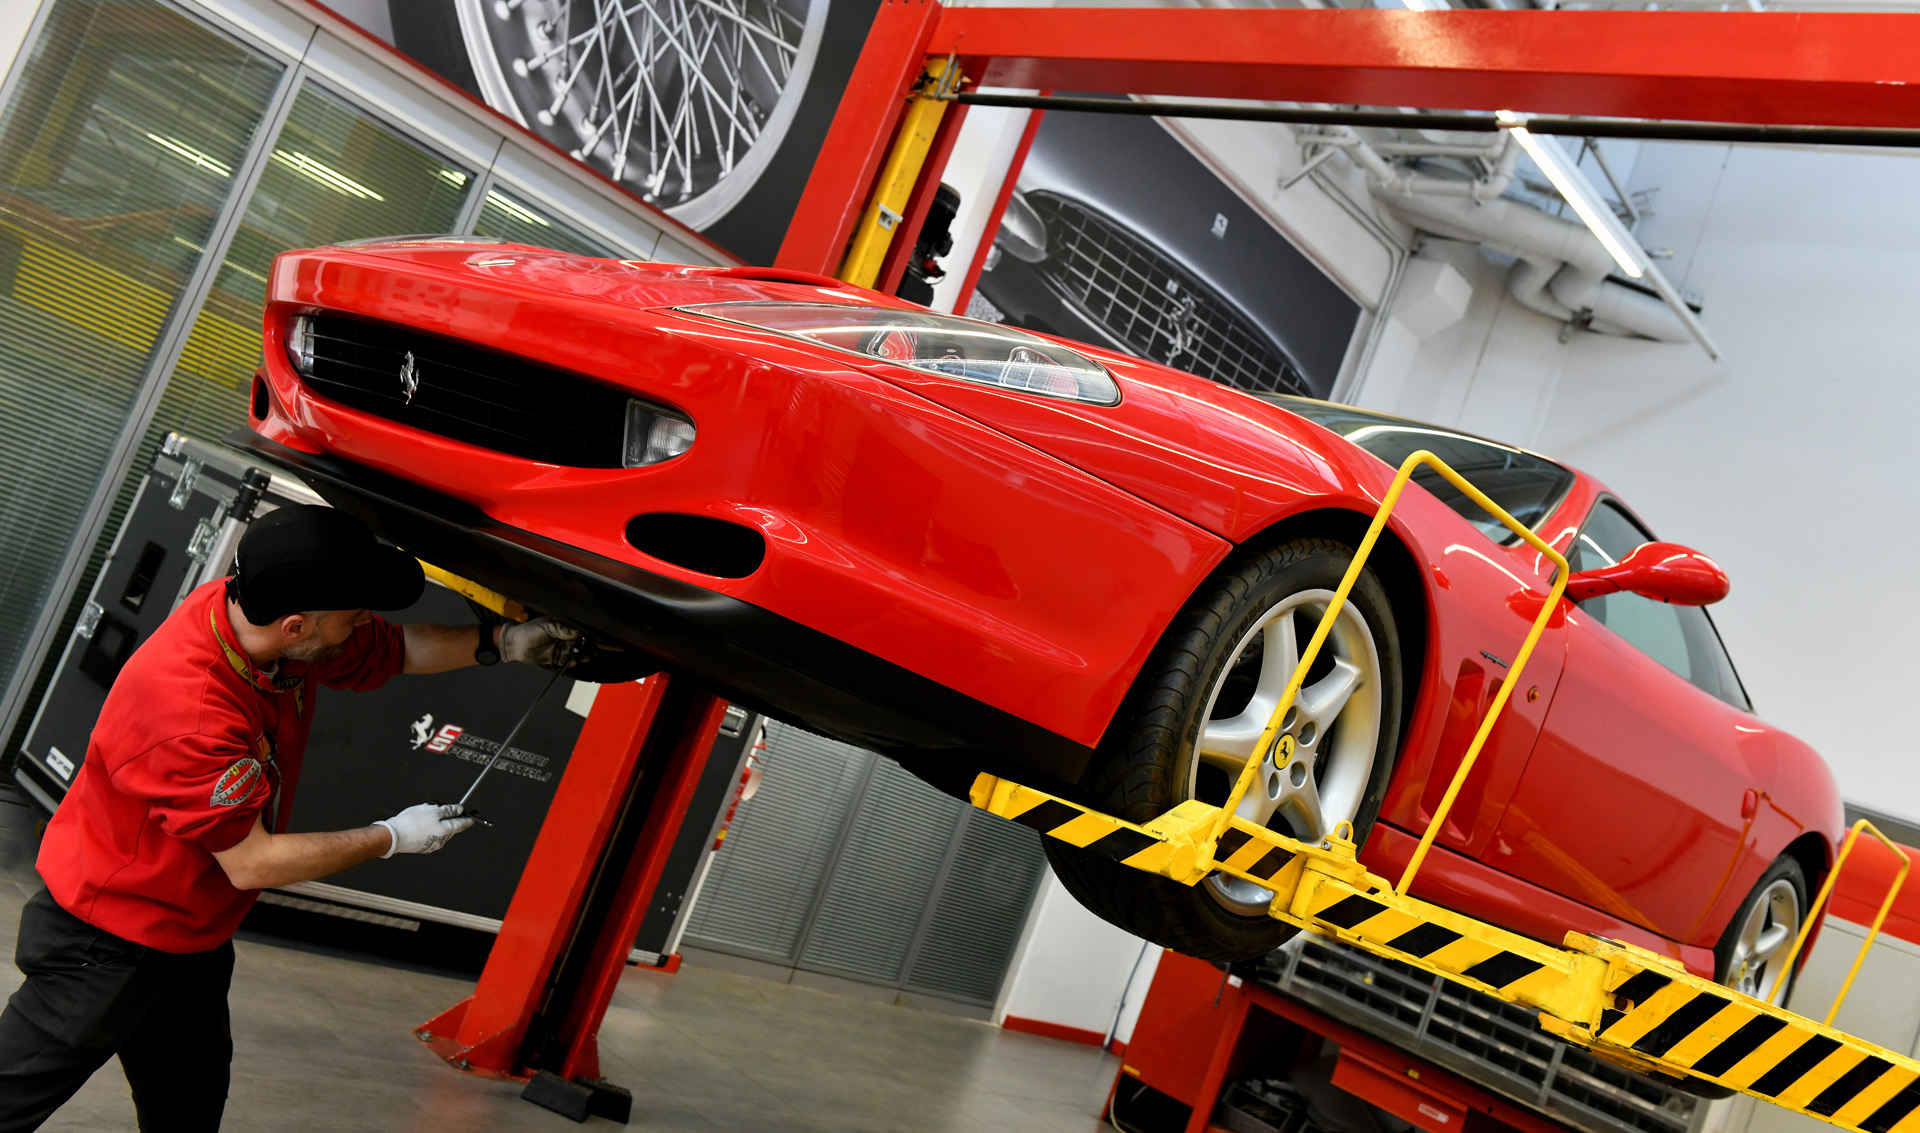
column 322, row 1043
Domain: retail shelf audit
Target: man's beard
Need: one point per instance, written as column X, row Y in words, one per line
column 312, row 651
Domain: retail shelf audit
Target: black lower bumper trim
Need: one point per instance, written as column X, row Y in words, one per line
column 753, row 657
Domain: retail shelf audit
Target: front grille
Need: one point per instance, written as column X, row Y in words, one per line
column 1495, row 1044
column 467, row 393
column 1156, row 308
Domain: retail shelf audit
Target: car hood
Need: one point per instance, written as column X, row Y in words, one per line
column 1218, row 458
column 542, row 274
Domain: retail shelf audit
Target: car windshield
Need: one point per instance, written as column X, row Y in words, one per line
column 1528, row 486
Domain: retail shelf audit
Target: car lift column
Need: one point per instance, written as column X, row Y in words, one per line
column 587, row 884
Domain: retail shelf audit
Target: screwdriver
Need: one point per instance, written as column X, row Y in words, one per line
column 565, row 664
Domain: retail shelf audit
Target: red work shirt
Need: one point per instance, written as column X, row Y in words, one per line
column 192, row 745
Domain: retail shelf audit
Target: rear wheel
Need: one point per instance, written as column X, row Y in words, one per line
column 1193, row 723
column 1752, row 954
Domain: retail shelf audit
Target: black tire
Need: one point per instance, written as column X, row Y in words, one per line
column 1137, row 773
column 1784, row 868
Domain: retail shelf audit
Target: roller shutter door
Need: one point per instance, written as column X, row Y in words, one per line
column 847, row 865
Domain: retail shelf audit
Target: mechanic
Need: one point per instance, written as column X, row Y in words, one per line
column 178, row 817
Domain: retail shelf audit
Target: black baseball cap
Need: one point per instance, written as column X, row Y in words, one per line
column 308, row 557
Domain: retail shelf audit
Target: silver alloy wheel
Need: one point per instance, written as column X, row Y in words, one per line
column 684, row 101
column 1756, row 966
column 1334, row 722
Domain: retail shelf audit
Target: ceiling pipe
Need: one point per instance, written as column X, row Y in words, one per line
column 1387, row 177
column 1560, row 269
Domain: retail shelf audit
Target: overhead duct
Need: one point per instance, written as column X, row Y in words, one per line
column 1560, row 269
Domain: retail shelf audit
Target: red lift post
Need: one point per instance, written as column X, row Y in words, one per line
column 587, row 884
column 572, row 921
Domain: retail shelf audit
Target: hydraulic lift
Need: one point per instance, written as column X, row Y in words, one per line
column 552, row 973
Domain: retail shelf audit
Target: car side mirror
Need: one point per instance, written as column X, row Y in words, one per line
column 1665, row 572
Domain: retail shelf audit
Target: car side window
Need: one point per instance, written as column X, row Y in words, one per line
column 1682, row 638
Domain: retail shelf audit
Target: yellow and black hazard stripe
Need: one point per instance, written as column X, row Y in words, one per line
column 1410, row 934
column 1264, row 864
column 1745, row 1044
column 1109, row 838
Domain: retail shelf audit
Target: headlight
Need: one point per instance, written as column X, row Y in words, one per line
column 653, row 435
column 300, row 343
column 973, row 351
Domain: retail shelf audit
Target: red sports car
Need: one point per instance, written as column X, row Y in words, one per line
column 974, row 548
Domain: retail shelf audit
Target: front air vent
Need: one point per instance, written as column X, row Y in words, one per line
column 699, row 543
column 467, row 393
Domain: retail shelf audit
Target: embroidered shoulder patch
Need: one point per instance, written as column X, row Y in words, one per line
column 237, row 783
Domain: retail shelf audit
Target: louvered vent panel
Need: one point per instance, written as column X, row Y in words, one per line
column 767, row 875
column 976, row 921
column 880, row 888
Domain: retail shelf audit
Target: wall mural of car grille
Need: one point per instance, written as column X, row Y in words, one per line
column 465, row 393
column 1153, row 306
column 684, row 101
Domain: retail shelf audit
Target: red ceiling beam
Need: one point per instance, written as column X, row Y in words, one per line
column 1806, row 68
column 862, row 132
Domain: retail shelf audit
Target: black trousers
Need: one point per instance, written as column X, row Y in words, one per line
column 90, row 995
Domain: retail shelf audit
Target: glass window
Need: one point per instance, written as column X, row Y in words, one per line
column 334, row 174
column 118, row 149
column 507, row 217
column 1528, row 486
column 1680, row 637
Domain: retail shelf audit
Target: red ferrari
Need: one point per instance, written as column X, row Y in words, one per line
column 974, row 548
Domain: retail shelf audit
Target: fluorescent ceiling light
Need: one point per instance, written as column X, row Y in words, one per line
column 515, row 211
column 457, row 178
column 1577, row 192
column 1605, row 226
column 1426, row 5
column 325, row 174
column 190, row 155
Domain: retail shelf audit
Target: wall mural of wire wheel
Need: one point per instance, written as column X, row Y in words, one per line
column 684, row 102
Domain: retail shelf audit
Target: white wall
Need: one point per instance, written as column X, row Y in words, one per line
column 14, row 18
column 1786, row 461
column 373, row 16
column 1072, row 968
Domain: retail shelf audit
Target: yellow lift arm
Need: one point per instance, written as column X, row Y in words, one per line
column 1626, row 1004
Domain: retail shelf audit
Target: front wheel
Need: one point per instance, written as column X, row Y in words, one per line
column 1194, row 719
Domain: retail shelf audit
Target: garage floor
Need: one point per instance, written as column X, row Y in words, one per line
column 322, row 1043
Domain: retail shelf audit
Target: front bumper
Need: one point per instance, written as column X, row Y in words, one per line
column 752, row 656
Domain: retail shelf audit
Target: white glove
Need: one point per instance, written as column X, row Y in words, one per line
column 423, row 829
column 541, row 641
